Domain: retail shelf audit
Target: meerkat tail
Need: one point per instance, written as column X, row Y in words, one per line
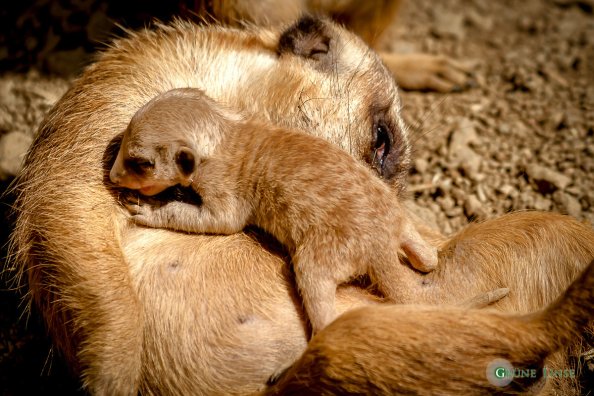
column 573, row 311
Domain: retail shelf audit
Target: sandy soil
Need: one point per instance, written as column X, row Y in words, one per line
column 521, row 138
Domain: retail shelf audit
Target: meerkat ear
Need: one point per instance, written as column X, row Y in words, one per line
column 186, row 162
column 309, row 38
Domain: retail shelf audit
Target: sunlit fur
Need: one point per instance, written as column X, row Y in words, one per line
column 440, row 350
column 335, row 218
column 136, row 309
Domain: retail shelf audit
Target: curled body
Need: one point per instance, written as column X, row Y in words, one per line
column 336, row 219
column 136, row 309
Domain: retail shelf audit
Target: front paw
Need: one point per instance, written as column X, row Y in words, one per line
column 142, row 211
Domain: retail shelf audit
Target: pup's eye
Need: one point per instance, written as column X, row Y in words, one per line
column 381, row 147
column 139, row 166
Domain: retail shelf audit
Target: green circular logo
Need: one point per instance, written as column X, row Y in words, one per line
column 500, row 372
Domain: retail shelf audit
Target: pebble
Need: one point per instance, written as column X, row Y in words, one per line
column 447, row 203
column 421, row 165
column 464, row 133
column 13, row 147
column 542, row 203
column 568, row 203
column 448, row 24
column 547, row 179
column 424, row 213
column 506, row 189
column 474, row 208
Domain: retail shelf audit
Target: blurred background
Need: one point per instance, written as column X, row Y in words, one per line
column 522, row 137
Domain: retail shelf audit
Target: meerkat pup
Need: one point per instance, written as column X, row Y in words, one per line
column 337, row 222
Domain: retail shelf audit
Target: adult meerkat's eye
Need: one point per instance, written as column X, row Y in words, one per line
column 389, row 152
column 382, row 145
column 139, row 166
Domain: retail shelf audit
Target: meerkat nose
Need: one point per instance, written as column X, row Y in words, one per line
column 114, row 176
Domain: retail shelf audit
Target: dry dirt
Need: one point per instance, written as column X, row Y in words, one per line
column 521, row 138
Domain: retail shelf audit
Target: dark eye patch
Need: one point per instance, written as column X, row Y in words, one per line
column 382, row 145
column 185, row 161
column 139, row 166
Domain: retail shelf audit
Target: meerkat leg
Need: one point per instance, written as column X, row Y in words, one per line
column 188, row 217
column 317, row 276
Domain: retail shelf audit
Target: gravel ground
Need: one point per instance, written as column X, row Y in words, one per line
column 521, row 138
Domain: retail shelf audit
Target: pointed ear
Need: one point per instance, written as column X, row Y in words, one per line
column 185, row 160
column 309, row 38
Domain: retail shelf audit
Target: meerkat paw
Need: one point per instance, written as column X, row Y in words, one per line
column 143, row 211
column 429, row 72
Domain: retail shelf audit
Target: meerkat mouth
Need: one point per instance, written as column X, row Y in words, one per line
column 152, row 189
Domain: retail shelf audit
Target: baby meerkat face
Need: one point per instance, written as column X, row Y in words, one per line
column 167, row 138
column 158, row 148
column 151, row 165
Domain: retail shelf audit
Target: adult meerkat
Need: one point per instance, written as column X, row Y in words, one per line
column 428, row 350
column 368, row 19
column 142, row 309
column 336, row 219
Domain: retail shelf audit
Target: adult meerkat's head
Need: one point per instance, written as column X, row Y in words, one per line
column 167, row 138
column 347, row 96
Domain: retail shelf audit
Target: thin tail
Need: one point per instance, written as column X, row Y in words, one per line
column 574, row 310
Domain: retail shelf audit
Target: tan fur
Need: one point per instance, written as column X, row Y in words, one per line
column 368, row 19
column 334, row 217
column 150, row 310
column 423, row 350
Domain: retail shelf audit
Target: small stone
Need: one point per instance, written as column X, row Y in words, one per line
column 568, row 203
column 474, row 208
column 464, row 134
column 506, row 190
column 573, row 190
column 468, row 160
column 542, row 203
column 13, row 147
column 447, row 228
column 504, row 129
column 546, row 179
column 445, row 185
column 480, row 192
column 421, row 165
column 454, row 212
column 425, row 214
column 526, row 199
column 479, row 20
column 446, row 203
column 448, row 24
